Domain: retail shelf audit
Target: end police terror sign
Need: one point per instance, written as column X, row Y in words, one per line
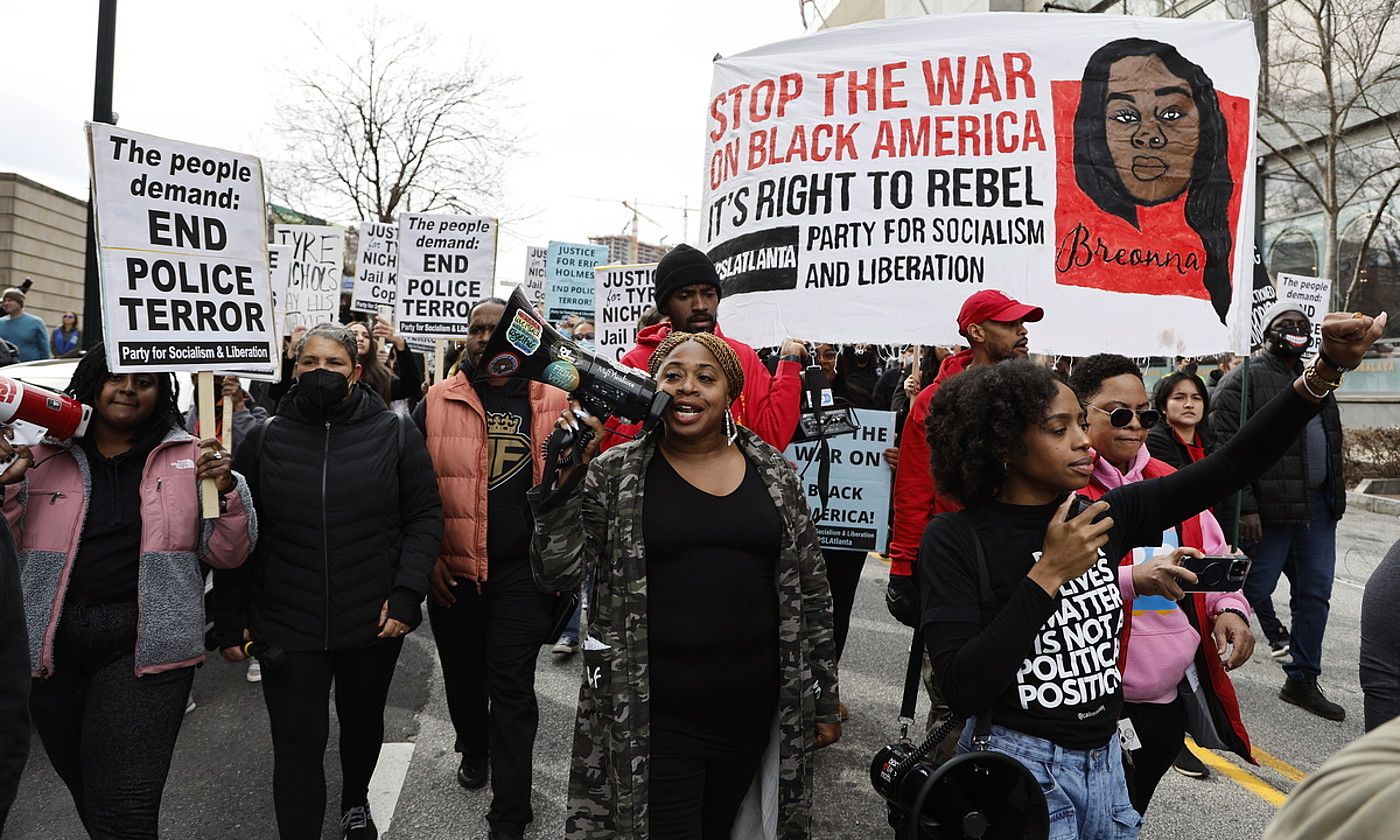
column 181, row 255
column 446, row 264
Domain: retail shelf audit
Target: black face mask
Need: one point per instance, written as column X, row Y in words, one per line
column 323, row 389
column 1290, row 342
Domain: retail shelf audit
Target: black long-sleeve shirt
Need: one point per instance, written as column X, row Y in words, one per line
column 1044, row 665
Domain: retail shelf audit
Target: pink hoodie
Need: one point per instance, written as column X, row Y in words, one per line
column 1163, row 642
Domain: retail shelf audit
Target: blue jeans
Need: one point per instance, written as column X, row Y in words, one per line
column 1311, row 551
column 1085, row 791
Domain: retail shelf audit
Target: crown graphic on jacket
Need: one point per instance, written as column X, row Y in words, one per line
column 502, row 424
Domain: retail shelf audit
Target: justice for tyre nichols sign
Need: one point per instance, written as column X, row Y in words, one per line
column 862, row 182
column 182, row 255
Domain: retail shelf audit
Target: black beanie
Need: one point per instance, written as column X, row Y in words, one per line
column 683, row 266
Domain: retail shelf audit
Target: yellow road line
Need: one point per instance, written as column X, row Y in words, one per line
column 1243, row 778
column 1287, row 770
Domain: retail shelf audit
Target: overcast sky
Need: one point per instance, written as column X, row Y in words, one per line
column 611, row 93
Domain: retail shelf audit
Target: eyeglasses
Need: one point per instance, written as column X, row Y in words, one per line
column 1120, row 418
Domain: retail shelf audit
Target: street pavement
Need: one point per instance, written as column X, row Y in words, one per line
column 219, row 785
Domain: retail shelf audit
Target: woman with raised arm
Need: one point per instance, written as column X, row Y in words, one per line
column 708, row 653
column 1034, row 663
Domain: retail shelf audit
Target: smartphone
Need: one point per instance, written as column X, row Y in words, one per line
column 1079, row 505
column 1216, row 573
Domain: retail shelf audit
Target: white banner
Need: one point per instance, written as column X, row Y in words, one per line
column 181, row 257
column 313, row 276
column 624, row 291
column 376, row 268
column 861, row 182
column 446, row 263
column 533, row 284
column 1313, row 296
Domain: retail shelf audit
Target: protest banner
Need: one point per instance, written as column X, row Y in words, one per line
column 861, row 182
column 181, row 257
column 376, row 268
column 569, row 281
column 313, row 275
column 1313, row 296
column 623, row 292
column 446, row 264
column 533, row 284
column 279, row 269
column 856, row 514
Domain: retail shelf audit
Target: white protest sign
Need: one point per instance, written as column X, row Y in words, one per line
column 862, row 182
column 313, row 278
column 376, row 268
column 624, row 291
column 446, row 263
column 856, row 515
column 533, row 284
column 1313, row 296
column 181, row 257
column 279, row 268
column 569, row 280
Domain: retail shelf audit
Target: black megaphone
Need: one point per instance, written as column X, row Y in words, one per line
column 524, row 344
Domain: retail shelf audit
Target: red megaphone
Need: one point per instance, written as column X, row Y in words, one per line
column 62, row 415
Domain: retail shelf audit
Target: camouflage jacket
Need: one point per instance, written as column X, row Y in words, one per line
column 593, row 525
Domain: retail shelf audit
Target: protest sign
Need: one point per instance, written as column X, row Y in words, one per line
column 181, row 256
column 856, row 515
column 569, row 281
column 533, row 284
column 313, row 275
column 1313, row 296
column 376, row 268
column 446, row 263
column 279, row 269
column 862, row 182
column 1264, row 297
column 624, row 291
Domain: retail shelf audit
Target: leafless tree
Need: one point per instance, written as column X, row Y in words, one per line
column 384, row 132
column 1332, row 75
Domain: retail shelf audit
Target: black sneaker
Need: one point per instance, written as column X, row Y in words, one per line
column 1306, row 695
column 471, row 773
column 505, row 834
column 1279, row 650
column 358, row 824
column 1189, row 765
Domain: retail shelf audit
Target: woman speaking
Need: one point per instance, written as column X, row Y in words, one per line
column 708, row 650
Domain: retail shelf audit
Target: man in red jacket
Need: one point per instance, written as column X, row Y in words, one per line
column 687, row 292
column 995, row 328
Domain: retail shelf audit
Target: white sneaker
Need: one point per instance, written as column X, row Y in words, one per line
column 254, row 671
column 566, row 646
column 190, row 704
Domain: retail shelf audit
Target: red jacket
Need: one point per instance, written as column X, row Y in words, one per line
column 916, row 498
column 768, row 405
column 1219, row 692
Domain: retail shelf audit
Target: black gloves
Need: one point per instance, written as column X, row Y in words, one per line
column 902, row 599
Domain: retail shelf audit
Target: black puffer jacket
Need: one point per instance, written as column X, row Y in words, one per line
column 1163, row 445
column 352, row 518
column 1280, row 496
column 14, row 676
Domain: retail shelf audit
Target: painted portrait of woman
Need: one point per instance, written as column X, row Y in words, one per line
column 1148, row 130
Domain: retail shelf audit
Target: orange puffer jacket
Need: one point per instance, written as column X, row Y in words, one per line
column 457, row 443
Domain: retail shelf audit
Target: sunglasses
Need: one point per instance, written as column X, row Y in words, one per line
column 1120, row 418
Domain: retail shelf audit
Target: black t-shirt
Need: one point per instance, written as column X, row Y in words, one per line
column 107, row 566
column 1046, row 666
column 508, row 520
column 712, row 606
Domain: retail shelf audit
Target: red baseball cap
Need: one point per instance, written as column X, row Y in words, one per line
column 992, row 305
